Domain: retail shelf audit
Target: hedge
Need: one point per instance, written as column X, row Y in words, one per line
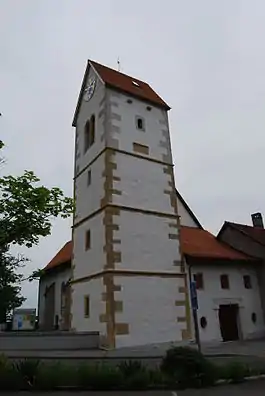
column 180, row 368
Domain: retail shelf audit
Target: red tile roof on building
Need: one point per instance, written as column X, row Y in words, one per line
column 121, row 82
column 62, row 257
column 196, row 242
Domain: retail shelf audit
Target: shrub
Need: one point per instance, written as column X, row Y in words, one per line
column 99, row 377
column 158, row 379
column 137, row 381
column 135, row 375
column 234, row 371
column 27, row 369
column 9, row 378
column 188, row 367
column 131, row 367
column 55, row 375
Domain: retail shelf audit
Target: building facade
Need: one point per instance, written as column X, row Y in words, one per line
column 128, row 278
column 136, row 244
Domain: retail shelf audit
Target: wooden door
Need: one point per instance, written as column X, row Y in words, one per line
column 228, row 318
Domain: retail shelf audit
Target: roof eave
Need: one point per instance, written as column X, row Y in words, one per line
column 216, row 259
column 162, row 105
column 186, row 206
column 59, row 266
column 80, row 94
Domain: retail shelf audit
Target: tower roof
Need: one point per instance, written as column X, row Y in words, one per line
column 123, row 83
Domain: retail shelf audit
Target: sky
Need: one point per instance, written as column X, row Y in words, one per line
column 205, row 58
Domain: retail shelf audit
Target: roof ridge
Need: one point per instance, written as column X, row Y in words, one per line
column 117, row 71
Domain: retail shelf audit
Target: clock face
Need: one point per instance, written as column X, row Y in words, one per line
column 89, row 90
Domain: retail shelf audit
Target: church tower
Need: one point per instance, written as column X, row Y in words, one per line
column 128, row 279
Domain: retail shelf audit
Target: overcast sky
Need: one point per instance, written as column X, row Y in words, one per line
column 206, row 58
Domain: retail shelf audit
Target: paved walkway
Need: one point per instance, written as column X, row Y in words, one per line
column 248, row 348
column 252, row 388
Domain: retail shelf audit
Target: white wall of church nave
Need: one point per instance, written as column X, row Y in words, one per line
column 58, row 277
column 185, row 217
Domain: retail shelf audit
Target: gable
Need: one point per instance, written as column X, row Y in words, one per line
column 199, row 243
column 187, row 217
column 238, row 239
column 120, row 82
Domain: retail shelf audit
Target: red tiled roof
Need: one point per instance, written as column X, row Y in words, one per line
column 125, row 83
column 62, row 257
column 121, row 82
column 197, row 242
column 256, row 233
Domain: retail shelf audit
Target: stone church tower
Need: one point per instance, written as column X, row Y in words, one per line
column 128, row 277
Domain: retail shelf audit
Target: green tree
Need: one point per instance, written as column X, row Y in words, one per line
column 10, row 284
column 27, row 209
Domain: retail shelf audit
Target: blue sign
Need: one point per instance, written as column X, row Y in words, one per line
column 193, row 295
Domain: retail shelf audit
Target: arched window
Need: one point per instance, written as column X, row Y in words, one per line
column 92, row 130
column 86, row 136
column 89, row 133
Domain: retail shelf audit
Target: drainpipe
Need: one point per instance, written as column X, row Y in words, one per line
column 194, row 313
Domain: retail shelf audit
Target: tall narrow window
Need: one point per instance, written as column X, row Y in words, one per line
column 86, row 307
column 224, row 281
column 247, row 282
column 92, row 130
column 140, row 123
column 87, row 136
column 88, row 240
column 198, row 279
column 89, row 177
column 89, row 133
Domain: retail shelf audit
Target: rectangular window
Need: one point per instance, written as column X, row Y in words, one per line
column 198, row 278
column 89, row 177
column 247, row 282
column 86, row 306
column 88, row 240
column 224, row 281
column 140, row 148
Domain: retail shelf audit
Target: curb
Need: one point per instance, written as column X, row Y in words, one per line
column 246, row 379
column 78, row 389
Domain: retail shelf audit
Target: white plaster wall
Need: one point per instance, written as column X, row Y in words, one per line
column 156, row 121
column 145, row 244
column 88, row 196
column 142, row 184
column 213, row 295
column 149, row 309
column 94, row 289
column 87, row 262
column 185, row 217
column 58, row 277
column 93, row 106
